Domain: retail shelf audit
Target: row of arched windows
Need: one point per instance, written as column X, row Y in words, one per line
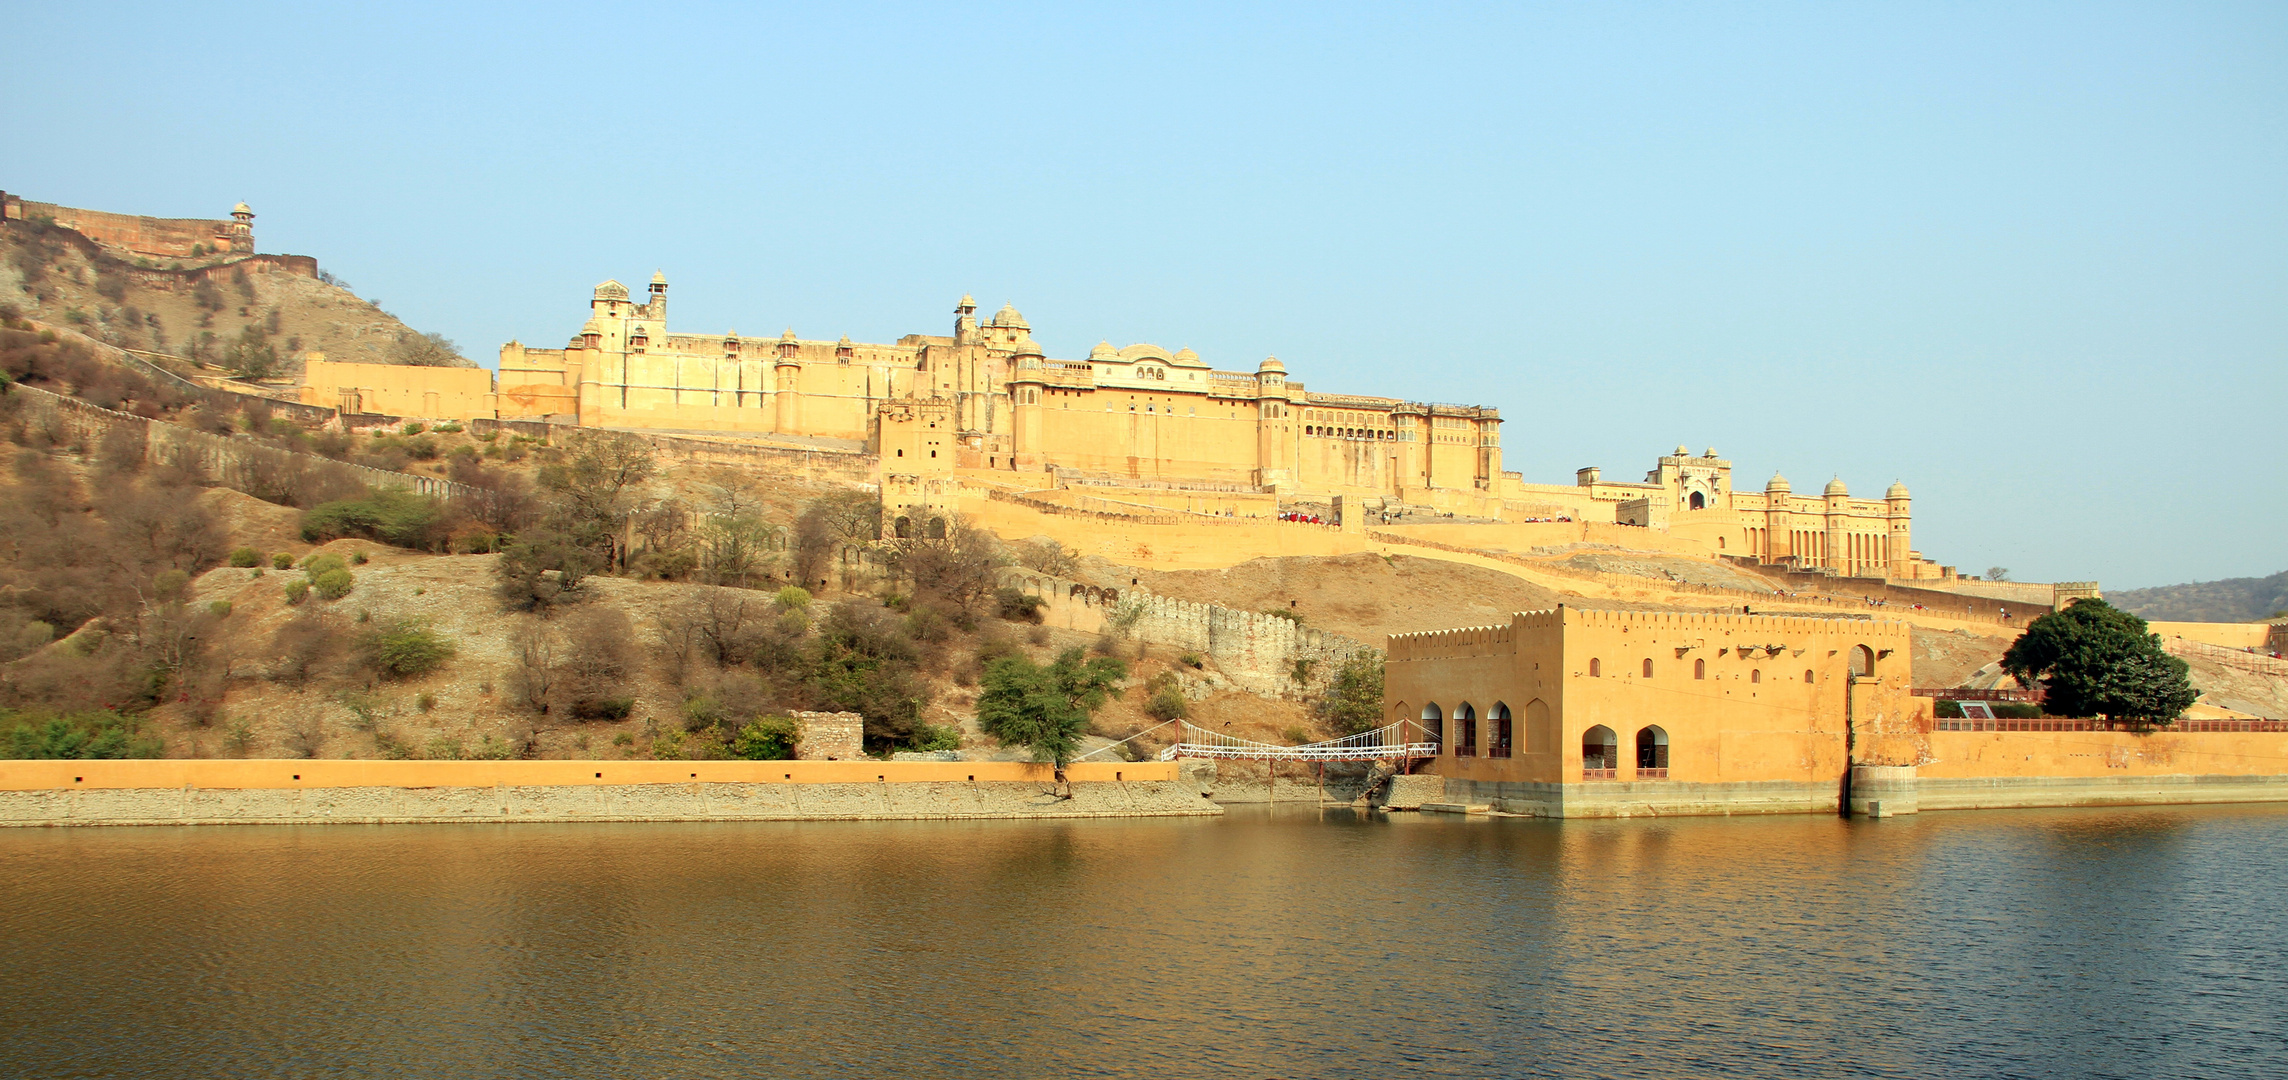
column 1466, row 734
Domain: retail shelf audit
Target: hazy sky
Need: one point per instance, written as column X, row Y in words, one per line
column 2032, row 260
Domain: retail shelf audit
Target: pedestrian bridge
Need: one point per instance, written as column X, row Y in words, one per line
column 1402, row 741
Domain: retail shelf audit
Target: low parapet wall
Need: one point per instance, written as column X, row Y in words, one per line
column 271, row 792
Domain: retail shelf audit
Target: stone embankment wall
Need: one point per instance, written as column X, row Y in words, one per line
column 1254, row 650
column 34, row 793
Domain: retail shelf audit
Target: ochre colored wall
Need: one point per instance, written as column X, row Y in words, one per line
column 43, row 775
column 2229, row 635
column 2083, row 754
column 436, row 393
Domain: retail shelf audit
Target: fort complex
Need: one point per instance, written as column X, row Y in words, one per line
column 985, row 401
column 149, row 237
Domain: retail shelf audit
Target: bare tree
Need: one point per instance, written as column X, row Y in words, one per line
column 427, row 350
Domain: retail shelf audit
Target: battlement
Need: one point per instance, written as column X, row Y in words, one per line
column 164, row 238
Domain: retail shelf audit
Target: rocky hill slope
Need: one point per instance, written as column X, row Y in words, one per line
column 196, row 308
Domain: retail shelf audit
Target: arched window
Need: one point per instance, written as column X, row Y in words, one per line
column 1465, row 730
column 1540, row 729
column 1862, row 660
column 1596, row 667
column 1652, row 753
column 936, row 524
column 1498, row 731
column 1699, row 502
column 1700, row 669
column 905, row 528
column 1648, row 667
column 1600, row 753
column 1756, row 675
column 1434, row 727
column 1807, row 675
column 1719, row 543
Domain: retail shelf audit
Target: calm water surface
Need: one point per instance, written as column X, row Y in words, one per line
column 2116, row 943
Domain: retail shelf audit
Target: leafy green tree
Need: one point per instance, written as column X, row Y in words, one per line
column 543, row 567
column 767, row 738
column 91, row 734
column 405, row 648
column 2095, row 659
column 1352, row 702
column 1046, row 708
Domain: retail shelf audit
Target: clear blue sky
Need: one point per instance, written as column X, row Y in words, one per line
column 2031, row 259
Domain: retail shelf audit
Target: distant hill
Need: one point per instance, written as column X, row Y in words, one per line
column 2231, row 600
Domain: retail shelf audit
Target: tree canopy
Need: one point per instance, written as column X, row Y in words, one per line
column 2095, row 659
column 1046, row 707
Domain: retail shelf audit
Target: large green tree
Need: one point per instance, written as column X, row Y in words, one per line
column 2095, row 659
column 1046, row 707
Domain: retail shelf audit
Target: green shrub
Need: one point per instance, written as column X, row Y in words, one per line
column 1167, row 703
column 282, row 561
column 398, row 518
column 318, row 562
column 426, row 702
column 297, row 590
column 171, row 584
column 492, row 749
column 412, row 427
column 219, row 609
column 245, row 557
column 794, row 598
column 1017, row 605
column 405, row 648
column 766, row 738
column 602, row 708
column 623, row 739
column 358, row 558
column 449, row 427
column 334, row 584
column 1192, row 660
column 98, row 733
column 937, row 737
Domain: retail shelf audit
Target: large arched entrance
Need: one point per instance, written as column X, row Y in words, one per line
column 1600, row 753
column 1652, row 753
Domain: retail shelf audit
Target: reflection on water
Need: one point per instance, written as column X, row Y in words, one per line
column 2127, row 943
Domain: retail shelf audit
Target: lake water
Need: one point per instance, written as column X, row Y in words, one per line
column 2115, row 943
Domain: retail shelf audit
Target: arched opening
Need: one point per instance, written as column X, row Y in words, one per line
column 905, row 528
column 1648, row 667
column 1498, row 731
column 1652, row 753
column 1700, row 669
column 1434, row 727
column 1596, row 667
column 1600, row 753
column 1807, row 677
column 1719, row 543
column 1540, row 729
column 1698, row 501
column 937, row 528
column 1862, row 661
column 1465, row 730
column 1756, row 675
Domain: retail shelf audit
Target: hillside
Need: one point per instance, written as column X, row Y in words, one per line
column 2230, row 600
column 193, row 308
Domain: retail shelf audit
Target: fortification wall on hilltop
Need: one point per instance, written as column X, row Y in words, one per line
column 163, row 237
column 1257, row 651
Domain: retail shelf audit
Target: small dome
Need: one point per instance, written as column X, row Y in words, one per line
column 1710, row 453
column 659, row 277
column 845, row 342
column 1681, row 451
column 242, row 208
column 1103, row 351
column 592, row 326
column 1027, row 349
column 1778, row 483
column 1008, row 316
column 1898, row 490
column 1835, row 487
column 1186, row 356
column 788, row 336
column 1271, row 363
column 611, row 290
column 967, row 301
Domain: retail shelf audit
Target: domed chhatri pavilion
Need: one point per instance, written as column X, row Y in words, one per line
column 986, row 397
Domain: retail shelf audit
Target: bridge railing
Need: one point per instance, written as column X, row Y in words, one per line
column 1401, row 741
